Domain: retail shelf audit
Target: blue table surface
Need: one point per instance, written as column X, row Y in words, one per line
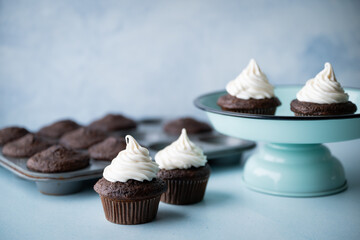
column 229, row 211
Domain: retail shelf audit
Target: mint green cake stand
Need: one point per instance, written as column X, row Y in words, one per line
column 293, row 162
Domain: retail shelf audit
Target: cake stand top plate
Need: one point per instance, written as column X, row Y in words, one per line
column 283, row 127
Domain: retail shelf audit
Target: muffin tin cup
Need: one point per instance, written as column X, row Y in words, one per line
column 127, row 212
column 184, row 192
column 59, row 188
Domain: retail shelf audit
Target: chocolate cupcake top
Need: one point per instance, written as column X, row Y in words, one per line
column 190, row 173
column 181, row 154
column 316, row 109
column 252, row 83
column 131, row 189
column 232, row 103
column 57, row 159
column 82, row 138
column 107, row 149
column 192, row 126
column 113, row 122
column 25, row 146
column 132, row 163
column 323, row 89
column 57, row 129
column 11, row 133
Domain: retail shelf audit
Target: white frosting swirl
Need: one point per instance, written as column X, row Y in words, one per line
column 132, row 163
column 251, row 83
column 323, row 89
column 181, row 154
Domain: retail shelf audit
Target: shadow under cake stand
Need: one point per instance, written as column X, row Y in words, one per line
column 293, row 162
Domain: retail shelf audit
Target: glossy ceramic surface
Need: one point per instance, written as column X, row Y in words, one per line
column 296, row 170
column 296, row 164
column 284, row 127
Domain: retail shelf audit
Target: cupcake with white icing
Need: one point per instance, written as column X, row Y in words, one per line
column 184, row 168
column 129, row 190
column 250, row 92
column 322, row 95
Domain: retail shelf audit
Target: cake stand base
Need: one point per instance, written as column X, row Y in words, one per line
column 294, row 170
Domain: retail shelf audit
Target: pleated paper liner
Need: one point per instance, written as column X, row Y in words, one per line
column 306, row 115
column 182, row 192
column 129, row 212
column 263, row 111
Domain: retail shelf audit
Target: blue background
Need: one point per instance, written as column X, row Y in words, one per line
column 82, row 59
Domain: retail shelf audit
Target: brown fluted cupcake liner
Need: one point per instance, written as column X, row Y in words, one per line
column 302, row 115
column 306, row 115
column 129, row 212
column 263, row 111
column 182, row 192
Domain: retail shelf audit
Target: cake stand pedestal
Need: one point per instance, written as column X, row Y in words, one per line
column 293, row 161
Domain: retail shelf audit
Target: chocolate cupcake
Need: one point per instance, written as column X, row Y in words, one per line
column 113, row 122
column 25, row 146
column 107, row 149
column 321, row 96
column 57, row 159
column 11, row 133
column 129, row 191
column 191, row 125
column 57, row 129
column 250, row 93
column 82, row 138
column 184, row 168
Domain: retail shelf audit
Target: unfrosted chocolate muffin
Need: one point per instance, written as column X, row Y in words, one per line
column 11, row 133
column 57, row 129
column 57, row 159
column 25, row 146
column 315, row 109
column 107, row 149
column 191, row 125
column 265, row 106
column 113, row 122
column 82, row 138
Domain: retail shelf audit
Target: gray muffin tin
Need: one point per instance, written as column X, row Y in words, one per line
column 219, row 149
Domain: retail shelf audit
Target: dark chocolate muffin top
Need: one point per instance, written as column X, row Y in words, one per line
column 57, row 159
column 131, row 189
column 107, row 149
column 191, row 125
column 82, row 138
column 25, row 146
column 11, row 133
column 233, row 103
column 113, row 122
column 316, row 109
column 57, row 129
column 183, row 174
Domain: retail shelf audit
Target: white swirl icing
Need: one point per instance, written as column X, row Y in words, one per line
column 132, row 163
column 181, row 154
column 323, row 89
column 251, row 83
